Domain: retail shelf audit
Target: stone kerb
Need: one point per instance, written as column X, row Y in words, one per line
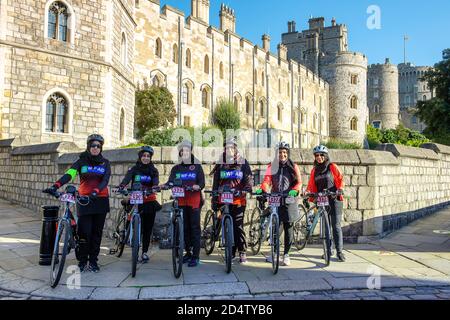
column 438, row 148
column 47, row 148
column 411, row 152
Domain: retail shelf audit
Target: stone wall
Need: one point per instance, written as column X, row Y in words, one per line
column 385, row 189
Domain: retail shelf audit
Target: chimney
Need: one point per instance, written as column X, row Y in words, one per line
column 388, row 61
column 282, row 52
column 333, row 22
column 266, row 42
column 293, row 26
column 316, row 23
column 227, row 18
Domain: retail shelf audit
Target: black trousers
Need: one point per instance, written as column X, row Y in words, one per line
column 147, row 212
column 335, row 215
column 288, row 236
column 90, row 232
column 240, row 244
column 192, row 231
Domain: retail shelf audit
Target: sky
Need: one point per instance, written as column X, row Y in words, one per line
column 426, row 23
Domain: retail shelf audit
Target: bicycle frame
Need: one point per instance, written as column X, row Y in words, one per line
column 175, row 213
column 226, row 215
column 130, row 234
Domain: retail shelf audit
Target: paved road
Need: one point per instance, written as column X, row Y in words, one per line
column 413, row 263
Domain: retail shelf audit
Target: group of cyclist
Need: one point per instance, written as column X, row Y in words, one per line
column 232, row 171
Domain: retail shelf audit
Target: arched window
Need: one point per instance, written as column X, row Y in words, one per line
column 354, row 102
column 157, row 81
column 288, row 89
column 187, row 94
column 206, row 65
column 279, row 86
column 59, row 20
column 57, row 114
column 376, row 109
column 206, row 98
column 280, row 113
column 262, row 106
column 248, row 102
column 315, row 121
column 314, row 100
column 263, row 80
column 424, row 98
column 188, row 58
column 295, row 117
column 303, row 94
column 158, row 48
column 221, row 70
column 236, row 103
column 175, row 53
column 123, row 50
column 354, row 124
column 122, row 125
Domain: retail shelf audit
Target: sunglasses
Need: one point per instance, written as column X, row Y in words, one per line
column 96, row 146
column 319, row 155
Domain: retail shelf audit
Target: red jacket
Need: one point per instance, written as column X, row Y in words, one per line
column 337, row 176
column 267, row 183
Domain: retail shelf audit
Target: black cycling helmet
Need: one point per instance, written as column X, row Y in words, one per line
column 283, row 146
column 229, row 141
column 95, row 137
column 146, row 149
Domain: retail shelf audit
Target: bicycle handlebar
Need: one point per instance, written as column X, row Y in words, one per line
column 170, row 186
column 146, row 192
column 324, row 193
column 58, row 195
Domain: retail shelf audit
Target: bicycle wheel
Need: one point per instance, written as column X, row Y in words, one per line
column 135, row 244
column 119, row 233
column 275, row 243
column 254, row 233
column 228, row 235
column 301, row 229
column 208, row 233
column 60, row 252
column 326, row 239
column 178, row 246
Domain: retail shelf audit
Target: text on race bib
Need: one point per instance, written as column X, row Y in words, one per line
column 231, row 174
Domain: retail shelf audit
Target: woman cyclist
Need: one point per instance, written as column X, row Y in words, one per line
column 94, row 171
column 326, row 175
column 283, row 175
column 144, row 175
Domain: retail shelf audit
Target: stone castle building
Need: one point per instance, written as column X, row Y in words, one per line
column 382, row 95
column 66, row 70
column 201, row 64
column 324, row 49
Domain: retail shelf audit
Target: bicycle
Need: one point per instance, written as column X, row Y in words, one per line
column 177, row 225
column 213, row 230
column 128, row 224
column 311, row 219
column 66, row 236
column 268, row 218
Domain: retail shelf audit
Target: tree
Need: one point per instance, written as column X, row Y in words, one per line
column 435, row 113
column 226, row 116
column 154, row 109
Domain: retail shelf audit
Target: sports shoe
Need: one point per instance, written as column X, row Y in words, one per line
column 286, row 260
column 332, row 254
column 269, row 259
column 83, row 266
column 93, row 267
column 145, row 258
column 243, row 258
column 194, row 262
column 187, row 258
column 341, row 257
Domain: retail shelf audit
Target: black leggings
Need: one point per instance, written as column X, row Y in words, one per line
column 288, row 236
column 237, row 212
column 192, row 231
column 335, row 215
column 90, row 232
column 147, row 212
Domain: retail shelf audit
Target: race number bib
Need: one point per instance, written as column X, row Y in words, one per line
column 178, row 192
column 226, row 198
column 274, row 201
column 67, row 197
column 322, row 201
column 137, row 197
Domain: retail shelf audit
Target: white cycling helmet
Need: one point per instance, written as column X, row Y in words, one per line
column 320, row 149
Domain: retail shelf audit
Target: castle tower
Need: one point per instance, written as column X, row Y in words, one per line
column 324, row 50
column 200, row 10
column 266, row 42
column 227, row 19
column 382, row 95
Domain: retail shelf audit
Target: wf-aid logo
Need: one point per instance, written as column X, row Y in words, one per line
column 144, row 179
column 374, row 20
column 231, row 175
column 96, row 170
column 186, row 176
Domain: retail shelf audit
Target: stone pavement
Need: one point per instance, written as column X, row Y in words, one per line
column 413, row 263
